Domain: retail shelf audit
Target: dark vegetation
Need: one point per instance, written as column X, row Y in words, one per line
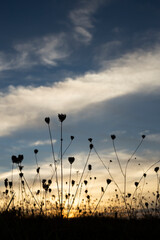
column 43, row 211
column 41, row 227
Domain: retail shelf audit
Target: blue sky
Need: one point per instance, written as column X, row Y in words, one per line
column 97, row 61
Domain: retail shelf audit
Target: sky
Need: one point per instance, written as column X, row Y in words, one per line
column 97, row 61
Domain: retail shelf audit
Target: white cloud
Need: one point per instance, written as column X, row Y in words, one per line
column 23, row 107
column 82, row 19
column 41, row 143
column 47, row 50
column 153, row 138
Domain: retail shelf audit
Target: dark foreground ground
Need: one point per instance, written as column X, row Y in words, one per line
column 16, row 228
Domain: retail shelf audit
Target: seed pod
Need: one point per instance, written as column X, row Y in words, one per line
column 21, row 174
column 47, row 120
column 88, row 197
column 89, row 167
column 72, row 137
column 20, row 168
column 71, row 160
column 113, row 137
column 136, row 184
column 61, row 117
column 20, row 158
column 143, row 136
column 144, row 175
column 90, row 139
column 85, row 182
column 156, row 169
column 10, row 184
column 43, row 181
column 73, row 182
column 129, row 195
column 109, row 181
column 38, row 169
column 91, row 146
column 102, row 189
column 146, row 204
column 6, row 182
column 35, row 151
column 49, row 181
column 38, row 192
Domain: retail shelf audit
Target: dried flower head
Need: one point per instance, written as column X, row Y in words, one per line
column 113, row 136
column 47, row 120
column 90, row 139
column 91, row 146
column 18, row 159
column 109, row 181
column 35, row 151
column 61, row 117
column 73, row 182
column 71, row 160
column 85, row 182
column 89, row 167
column 156, row 169
column 136, row 184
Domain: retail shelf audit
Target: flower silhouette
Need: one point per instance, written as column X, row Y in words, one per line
column 61, row 117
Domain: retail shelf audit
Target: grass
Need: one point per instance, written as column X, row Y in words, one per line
column 42, row 227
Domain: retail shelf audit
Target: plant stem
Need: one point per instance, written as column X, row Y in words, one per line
column 54, row 161
column 79, row 183
column 61, row 175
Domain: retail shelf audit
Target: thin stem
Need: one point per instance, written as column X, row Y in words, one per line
column 108, row 171
column 69, row 185
column 100, row 198
column 125, row 174
column 79, row 182
column 67, row 147
column 117, row 158
column 54, row 161
column 142, row 178
column 31, row 192
column 61, row 175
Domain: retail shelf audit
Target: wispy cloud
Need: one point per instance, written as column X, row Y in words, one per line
column 23, row 106
column 154, row 138
column 47, row 50
column 82, row 19
column 41, row 143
